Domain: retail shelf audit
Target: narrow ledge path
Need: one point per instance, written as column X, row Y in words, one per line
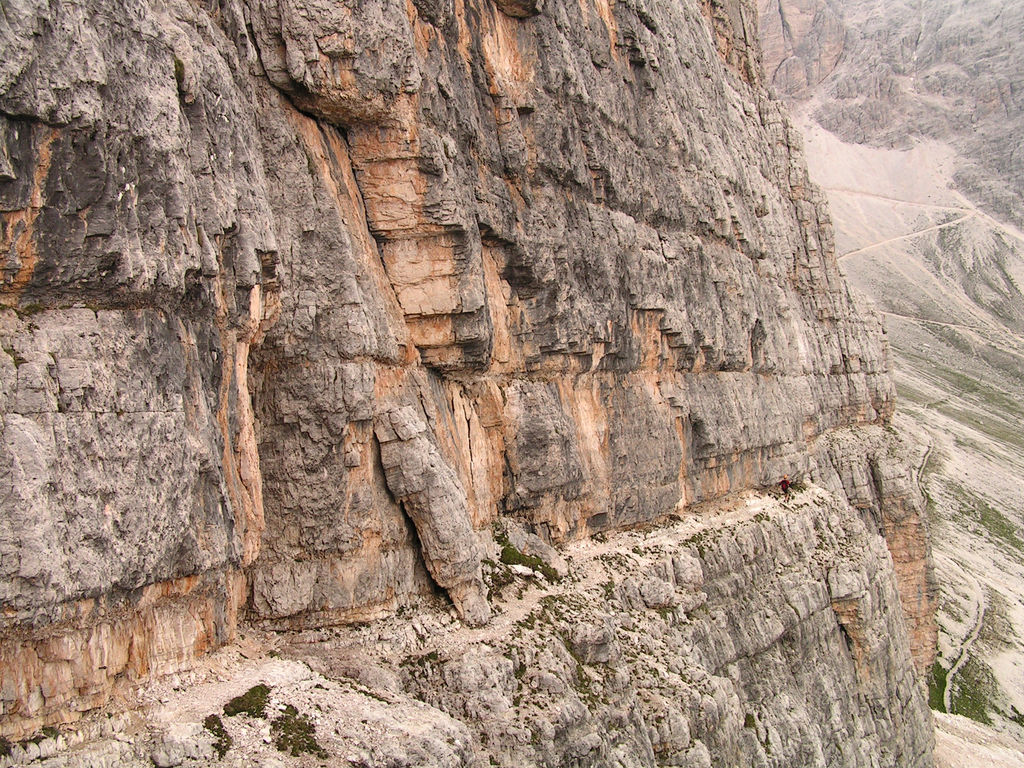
column 900, row 201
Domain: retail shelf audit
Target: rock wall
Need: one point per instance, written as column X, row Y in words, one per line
column 753, row 631
column 710, row 641
column 301, row 298
column 869, row 467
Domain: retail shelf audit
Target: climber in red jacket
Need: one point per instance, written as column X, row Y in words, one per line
column 785, row 484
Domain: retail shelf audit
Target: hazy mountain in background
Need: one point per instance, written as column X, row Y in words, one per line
column 889, row 74
column 912, row 115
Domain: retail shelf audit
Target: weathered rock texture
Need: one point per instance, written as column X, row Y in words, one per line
column 708, row 642
column 887, row 74
column 755, row 631
column 301, row 298
column 921, row 161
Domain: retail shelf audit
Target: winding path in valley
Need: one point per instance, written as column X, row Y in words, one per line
column 965, row 647
column 909, row 235
column 982, row 605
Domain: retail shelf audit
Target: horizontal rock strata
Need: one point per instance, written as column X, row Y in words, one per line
column 314, row 296
column 754, row 631
column 760, row 634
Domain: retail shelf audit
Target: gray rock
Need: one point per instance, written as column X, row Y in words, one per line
column 533, row 546
column 168, row 756
column 302, row 298
column 894, row 74
column 746, row 680
column 431, row 494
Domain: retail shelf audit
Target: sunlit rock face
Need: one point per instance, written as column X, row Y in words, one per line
column 301, row 299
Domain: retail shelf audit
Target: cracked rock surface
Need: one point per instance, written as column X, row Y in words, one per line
column 756, row 631
column 303, row 301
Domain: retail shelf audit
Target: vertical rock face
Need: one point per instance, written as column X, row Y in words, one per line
column 868, row 467
column 134, row 219
column 300, row 299
column 720, row 647
column 803, row 41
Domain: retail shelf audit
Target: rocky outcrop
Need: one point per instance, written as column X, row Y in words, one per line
column 430, row 493
column 802, row 40
column 913, row 134
column 754, row 631
column 869, row 467
column 299, row 301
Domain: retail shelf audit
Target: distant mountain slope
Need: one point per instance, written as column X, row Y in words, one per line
column 913, row 117
column 886, row 74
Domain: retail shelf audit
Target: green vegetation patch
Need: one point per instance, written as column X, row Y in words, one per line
column 295, row 734
column 222, row 740
column 972, row 691
column 988, row 408
column 608, row 589
column 937, row 687
column 999, row 525
column 422, row 660
column 1001, row 528
column 28, row 310
column 581, row 678
column 997, row 631
column 47, row 732
column 496, row 577
column 253, row 702
column 512, row 556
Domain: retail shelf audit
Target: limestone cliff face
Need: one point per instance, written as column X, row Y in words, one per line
column 301, row 298
column 751, row 631
column 707, row 642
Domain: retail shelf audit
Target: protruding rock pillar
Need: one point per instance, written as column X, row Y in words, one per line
column 431, row 494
